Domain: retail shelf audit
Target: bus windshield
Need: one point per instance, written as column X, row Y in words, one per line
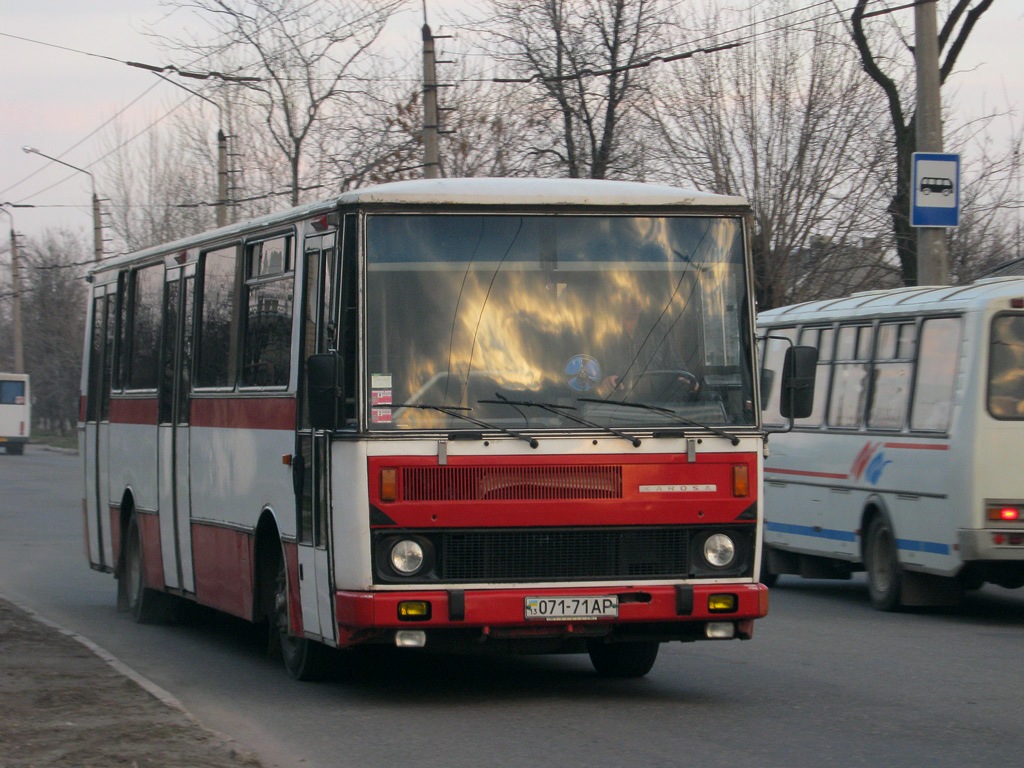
column 553, row 322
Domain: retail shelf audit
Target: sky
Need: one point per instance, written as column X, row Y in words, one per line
column 58, row 101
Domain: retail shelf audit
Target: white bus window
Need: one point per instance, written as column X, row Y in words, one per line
column 773, row 352
column 892, row 376
column 1006, row 368
column 822, row 340
column 849, row 385
column 936, row 374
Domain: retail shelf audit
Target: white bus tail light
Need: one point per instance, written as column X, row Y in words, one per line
column 1005, row 514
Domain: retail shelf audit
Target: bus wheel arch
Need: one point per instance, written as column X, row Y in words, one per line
column 127, row 509
column 146, row 605
column 880, row 556
column 304, row 659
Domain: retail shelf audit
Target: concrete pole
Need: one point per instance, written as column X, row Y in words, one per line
column 932, row 257
column 97, row 227
column 431, row 153
column 19, row 340
column 222, row 179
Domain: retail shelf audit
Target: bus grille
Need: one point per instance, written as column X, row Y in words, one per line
column 562, row 483
column 562, row 554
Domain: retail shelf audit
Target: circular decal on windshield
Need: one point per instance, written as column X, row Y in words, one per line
column 583, row 373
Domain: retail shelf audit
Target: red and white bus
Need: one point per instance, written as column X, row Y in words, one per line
column 488, row 413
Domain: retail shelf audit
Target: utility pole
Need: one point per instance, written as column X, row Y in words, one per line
column 431, row 156
column 19, row 341
column 932, row 257
column 222, row 178
column 97, row 220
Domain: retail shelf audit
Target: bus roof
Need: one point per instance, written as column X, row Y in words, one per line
column 532, row 191
column 487, row 191
column 899, row 301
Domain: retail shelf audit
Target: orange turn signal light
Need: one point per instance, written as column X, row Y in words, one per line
column 389, row 484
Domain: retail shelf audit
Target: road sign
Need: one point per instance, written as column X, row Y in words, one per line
column 935, row 195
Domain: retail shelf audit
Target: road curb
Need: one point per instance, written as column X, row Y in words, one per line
column 160, row 694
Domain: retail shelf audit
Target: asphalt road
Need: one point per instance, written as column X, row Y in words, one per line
column 826, row 681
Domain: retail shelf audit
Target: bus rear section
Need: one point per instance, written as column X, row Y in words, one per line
column 907, row 467
column 15, row 412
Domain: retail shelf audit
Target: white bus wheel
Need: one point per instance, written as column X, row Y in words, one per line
column 882, row 565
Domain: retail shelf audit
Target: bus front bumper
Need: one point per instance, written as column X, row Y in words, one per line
column 664, row 612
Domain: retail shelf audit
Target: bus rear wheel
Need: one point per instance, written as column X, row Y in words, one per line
column 622, row 660
column 304, row 659
column 884, row 573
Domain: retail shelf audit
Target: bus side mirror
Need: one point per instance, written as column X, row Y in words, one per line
column 324, row 377
column 798, row 371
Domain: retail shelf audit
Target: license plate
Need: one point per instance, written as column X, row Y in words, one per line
column 580, row 608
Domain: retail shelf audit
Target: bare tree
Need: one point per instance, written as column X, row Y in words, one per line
column 580, row 67
column 53, row 339
column 882, row 44
column 787, row 122
column 307, row 57
column 163, row 185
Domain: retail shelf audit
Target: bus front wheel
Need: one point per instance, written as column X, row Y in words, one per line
column 147, row 606
column 884, row 572
column 304, row 659
column 634, row 659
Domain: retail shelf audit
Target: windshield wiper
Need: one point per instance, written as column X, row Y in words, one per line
column 453, row 411
column 560, row 410
column 668, row 412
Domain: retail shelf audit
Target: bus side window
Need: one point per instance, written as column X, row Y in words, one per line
column 773, row 352
column 936, row 374
column 850, row 376
column 144, row 334
column 1006, row 368
column 216, row 345
column 891, row 379
column 821, row 338
column 266, row 352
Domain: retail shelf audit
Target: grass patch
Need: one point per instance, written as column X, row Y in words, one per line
column 56, row 441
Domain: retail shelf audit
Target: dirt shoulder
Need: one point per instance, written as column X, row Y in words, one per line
column 63, row 705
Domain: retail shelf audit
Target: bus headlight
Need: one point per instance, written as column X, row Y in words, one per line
column 719, row 550
column 407, row 557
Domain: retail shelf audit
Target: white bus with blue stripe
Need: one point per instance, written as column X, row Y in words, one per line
column 909, row 466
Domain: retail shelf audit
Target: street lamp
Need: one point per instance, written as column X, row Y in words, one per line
column 19, row 344
column 97, row 224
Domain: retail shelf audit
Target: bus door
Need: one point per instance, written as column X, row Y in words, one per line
column 311, row 465
column 173, row 431
column 96, row 437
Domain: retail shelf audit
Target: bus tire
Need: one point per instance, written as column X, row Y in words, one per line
column 15, row 449
column 147, row 606
column 304, row 659
column 768, row 578
column 885, row 576
column 623, row 660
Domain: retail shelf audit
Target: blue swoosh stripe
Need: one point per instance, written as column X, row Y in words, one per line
column 909, row 545
column 806, row 530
